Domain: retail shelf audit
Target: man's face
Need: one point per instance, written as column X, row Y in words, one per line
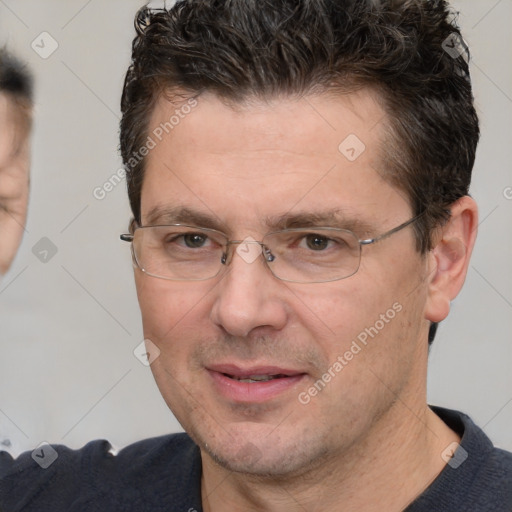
column 241, row 167
column 14, row 179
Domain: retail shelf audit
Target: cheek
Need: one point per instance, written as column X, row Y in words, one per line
column 367, row 320
column 340, row 311
column 171, row 310
column 162, row 305
column 171, row 319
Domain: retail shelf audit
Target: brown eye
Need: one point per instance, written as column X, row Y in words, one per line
column 194, row 240
column 317, row 242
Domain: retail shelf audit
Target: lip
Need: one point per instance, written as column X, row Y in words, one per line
column 255, row 392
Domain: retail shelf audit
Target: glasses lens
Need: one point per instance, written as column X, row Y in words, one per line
column 313, row 255
column 178, row 252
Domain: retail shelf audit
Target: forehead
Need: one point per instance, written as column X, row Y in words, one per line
column 280, row 123
column 15, row 113
column 261, row 158
column 11, row 126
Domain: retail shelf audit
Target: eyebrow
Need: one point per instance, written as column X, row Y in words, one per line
column 181, row 215
column 336, row 218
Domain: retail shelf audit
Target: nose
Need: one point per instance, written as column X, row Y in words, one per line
column 248, row 297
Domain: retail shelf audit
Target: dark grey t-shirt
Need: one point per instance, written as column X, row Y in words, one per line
column 477, row 479
column 164, row 474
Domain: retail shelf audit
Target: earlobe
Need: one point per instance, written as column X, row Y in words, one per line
column 449, row 258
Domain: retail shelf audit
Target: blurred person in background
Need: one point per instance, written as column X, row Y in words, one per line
column 15, row 128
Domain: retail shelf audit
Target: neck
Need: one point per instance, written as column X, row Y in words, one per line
column 394, row 464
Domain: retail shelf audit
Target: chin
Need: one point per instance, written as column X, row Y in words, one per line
column 250, row 460
column 263, row 456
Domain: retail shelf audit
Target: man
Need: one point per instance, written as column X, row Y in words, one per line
column 298, row 173
column 15, row 123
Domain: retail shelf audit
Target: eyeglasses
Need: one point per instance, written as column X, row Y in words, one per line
column 304, row 255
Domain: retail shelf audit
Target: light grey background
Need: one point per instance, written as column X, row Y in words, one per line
column 69, row 325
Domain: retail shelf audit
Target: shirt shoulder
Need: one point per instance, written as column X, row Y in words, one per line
column 492, row 486
column 147, row 475
column 477, row 478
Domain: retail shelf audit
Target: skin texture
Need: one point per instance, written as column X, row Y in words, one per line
column 14, row 179
column 367, row 441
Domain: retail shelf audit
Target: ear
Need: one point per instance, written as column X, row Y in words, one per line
column 448, row 260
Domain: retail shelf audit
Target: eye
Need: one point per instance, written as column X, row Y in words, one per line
column 194, row 240
column 317, row 242
column 187, row 240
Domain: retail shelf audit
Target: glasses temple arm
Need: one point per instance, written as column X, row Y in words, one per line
column 391, row 231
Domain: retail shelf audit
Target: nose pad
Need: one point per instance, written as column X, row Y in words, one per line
column 267, row 254
column 248, row 249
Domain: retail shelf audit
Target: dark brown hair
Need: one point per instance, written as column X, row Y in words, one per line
column 405, row 50
column 16, row 83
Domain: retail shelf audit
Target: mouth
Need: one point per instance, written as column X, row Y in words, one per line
column 253, row 385
column 256, row 378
